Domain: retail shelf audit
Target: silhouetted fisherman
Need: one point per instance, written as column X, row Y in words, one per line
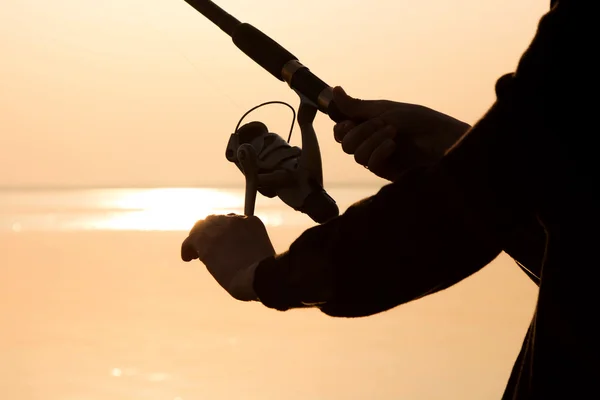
column 521, row 180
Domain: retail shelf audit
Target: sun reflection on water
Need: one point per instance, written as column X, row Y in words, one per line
column 132, row 209
column 173, row 209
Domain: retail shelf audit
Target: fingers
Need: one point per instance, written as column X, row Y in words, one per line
column 359, row 134
column 379, row 157
column 212, row 223
column 207, row 230
column 358, row 109
column 340, row 130
column 350, row 106
column 188, row 249
column 370, row 150
column 194, row 245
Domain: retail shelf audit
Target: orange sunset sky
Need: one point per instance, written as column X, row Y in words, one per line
column 146, row 92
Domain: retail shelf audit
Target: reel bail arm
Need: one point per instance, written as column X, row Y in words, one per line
column 274, row 168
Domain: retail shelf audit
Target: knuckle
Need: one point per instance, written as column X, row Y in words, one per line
column 348, row 145
column 381, row 155
column 374, row 141
column 343, row 126
column 354, row 139
column 374, row 161
column 336, row 129
column 210, row 218
column 255, row 222
column 363, row 133
column 376, row 164
column 361, row 158
column 377, row 123
column 197, row 226
column 377, row 138
column 383, row 136
column 363, row 154
column 390, row 131
column 341, row 129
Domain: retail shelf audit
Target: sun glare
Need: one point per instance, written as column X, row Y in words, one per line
column 173, row 209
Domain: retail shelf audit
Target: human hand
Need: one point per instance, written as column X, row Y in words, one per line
column 394, row 136
column 230, row 246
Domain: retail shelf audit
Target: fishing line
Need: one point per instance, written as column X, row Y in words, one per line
column 268, row 103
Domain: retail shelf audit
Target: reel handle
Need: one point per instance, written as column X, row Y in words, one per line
column 248, row 160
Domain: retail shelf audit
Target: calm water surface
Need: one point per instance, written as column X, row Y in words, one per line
column 96, row 305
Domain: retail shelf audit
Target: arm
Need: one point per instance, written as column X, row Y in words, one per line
column 436, row 226
column 411, row 239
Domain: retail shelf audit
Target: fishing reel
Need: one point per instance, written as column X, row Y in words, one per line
column 272, row 167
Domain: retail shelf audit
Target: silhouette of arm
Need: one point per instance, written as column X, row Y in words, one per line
column 436, row 226
column 413, row 238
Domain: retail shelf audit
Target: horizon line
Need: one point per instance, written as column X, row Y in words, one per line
column 198, row 186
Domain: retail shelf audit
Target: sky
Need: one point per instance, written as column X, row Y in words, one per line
column 147, row 92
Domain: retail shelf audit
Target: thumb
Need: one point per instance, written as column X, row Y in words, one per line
column 188, row 251
column 357, row 108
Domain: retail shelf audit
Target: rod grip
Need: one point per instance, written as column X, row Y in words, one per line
column 262, row 49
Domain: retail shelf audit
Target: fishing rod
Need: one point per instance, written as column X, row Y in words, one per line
column 270, row 165
column 270, row 55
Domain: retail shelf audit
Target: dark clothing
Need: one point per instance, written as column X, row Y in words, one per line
column 519, row 181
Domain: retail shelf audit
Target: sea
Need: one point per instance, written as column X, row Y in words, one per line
column 96, row 304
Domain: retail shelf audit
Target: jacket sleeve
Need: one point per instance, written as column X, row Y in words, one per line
column 436, row 226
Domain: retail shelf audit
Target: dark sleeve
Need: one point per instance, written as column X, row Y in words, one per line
column 412, row 238
column 436, row 226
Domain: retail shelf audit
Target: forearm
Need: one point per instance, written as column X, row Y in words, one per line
column 413, row 238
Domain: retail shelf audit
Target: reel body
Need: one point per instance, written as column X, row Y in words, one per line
column 272, row 167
